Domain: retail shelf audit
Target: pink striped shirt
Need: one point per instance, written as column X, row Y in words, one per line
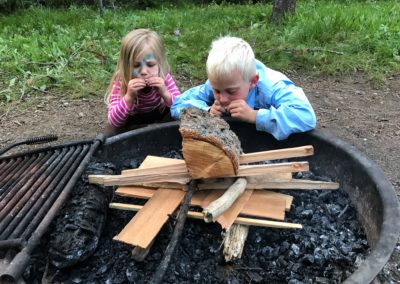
column 118, row 110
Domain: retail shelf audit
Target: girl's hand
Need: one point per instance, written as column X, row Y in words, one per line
column 217, row 109
column 241, row 110
column 158, row 83
column 134, row 86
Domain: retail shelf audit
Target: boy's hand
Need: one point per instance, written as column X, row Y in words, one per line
column 241, row 110
column 217, row 109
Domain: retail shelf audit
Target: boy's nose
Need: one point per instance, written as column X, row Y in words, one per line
column 224, row 99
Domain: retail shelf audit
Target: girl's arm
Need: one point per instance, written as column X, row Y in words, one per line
column 118, row 108
column 172, row 90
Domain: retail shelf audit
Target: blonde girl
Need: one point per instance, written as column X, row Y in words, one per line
column 142, row 89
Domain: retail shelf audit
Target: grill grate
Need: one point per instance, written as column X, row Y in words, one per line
column 33, row 187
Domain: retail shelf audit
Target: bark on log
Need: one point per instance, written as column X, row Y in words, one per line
column 209, row 147
column 234, row 241
column 219, row 206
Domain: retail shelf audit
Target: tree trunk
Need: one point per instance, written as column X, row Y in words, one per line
column 281, row 8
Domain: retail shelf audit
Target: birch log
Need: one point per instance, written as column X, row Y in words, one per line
column 219, row 206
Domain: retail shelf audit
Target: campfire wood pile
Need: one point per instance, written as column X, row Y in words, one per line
column 231, row 189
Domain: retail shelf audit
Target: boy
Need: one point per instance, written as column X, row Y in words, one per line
column 244, row 88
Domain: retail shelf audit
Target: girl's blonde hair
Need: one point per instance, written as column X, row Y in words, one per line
column 229, row 54
column 132, row 46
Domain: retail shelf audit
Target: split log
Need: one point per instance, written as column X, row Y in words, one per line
column 219, row 206
column 238, row 220
column 209, row 147
column 234, row 242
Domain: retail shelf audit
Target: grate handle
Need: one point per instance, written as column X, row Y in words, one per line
column 31, row 141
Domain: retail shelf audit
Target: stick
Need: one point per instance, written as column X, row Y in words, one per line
column 162, row 268
column 219, row 206
column 239, row 220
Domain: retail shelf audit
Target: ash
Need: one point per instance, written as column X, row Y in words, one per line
column 328, row 249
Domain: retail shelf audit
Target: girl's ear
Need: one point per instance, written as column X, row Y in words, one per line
column 254, row 80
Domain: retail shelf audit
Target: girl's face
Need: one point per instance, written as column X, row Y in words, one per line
column 145, row 65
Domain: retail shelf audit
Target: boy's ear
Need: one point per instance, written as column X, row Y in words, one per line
column 254, row 80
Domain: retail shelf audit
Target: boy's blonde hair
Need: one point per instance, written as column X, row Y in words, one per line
column 132, row 46
column 229, row 54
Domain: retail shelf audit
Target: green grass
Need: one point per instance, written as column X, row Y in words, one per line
column 73, row 53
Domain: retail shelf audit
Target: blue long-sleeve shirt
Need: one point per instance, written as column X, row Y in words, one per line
column 283, row 108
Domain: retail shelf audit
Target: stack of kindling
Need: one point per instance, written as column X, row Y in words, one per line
column 231, row 189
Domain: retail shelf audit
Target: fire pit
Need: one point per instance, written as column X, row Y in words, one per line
column 368, row 189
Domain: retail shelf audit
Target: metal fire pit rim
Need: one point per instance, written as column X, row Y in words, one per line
column 388, row 236
column 389, row 233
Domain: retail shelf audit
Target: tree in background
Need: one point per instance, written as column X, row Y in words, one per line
column 280, row 8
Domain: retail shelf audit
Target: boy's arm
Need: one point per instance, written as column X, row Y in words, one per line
column 201, row 97
column 289, row 111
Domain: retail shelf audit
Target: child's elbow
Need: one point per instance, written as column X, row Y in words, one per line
column 311, row 120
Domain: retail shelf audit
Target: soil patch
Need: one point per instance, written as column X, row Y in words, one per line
column 351, row 108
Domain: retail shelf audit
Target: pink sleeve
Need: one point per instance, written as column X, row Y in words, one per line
column 172, row 88
column 118, row 110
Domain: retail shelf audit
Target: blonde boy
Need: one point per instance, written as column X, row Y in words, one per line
column 244, row 88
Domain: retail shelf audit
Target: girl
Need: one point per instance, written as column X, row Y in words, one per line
column 141, row 90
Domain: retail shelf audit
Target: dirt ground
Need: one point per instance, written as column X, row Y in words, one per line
column 349, row 107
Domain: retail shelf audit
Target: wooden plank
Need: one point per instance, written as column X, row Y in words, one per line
column 147, row 223
column 239, row 220
column 266, row 183
column 229, row 216
column 160, row 163
column 271, row 208
column 257, row 170
column 285, row 153
column 142, row 175
column 153, row 221
column 265, row 204
column 135, row 191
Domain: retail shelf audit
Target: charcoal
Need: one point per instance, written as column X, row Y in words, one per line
column 328, row 249
column 81, row 221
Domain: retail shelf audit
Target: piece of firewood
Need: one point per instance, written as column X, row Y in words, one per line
column 146, row 224
column 264, row 204
column 219, row 206
column 239, row 220
column 275, row 184
column 139, row 254
column 142, row 175
column 209, row 147
column 285, row 153
column 234, row 241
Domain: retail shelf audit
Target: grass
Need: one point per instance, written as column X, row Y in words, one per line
column 73, row 53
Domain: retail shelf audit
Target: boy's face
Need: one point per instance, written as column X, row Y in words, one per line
column 232, row 88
